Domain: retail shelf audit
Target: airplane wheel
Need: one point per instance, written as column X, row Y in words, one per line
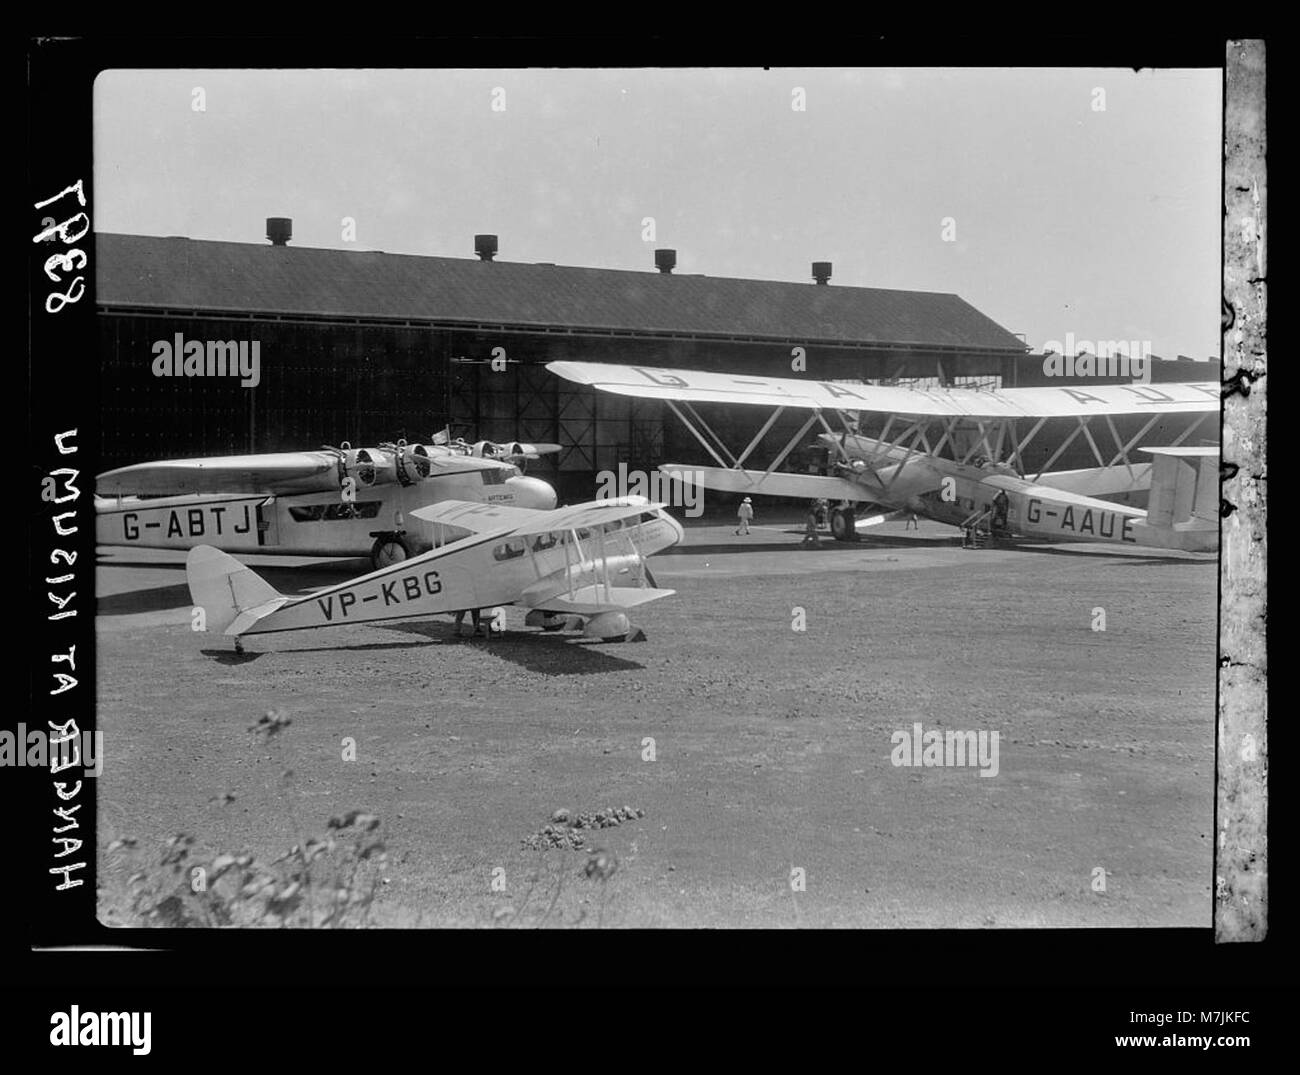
column 547, row 621
column 843, row 525
column 389, row 549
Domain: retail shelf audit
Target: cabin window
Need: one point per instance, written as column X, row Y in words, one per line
column 494, row 476
column 508, row 550
column 545, row 541
column 334, row 511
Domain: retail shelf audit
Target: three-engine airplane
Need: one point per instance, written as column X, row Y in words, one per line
column 958, row 477
column 585, row 561
column 341, row 501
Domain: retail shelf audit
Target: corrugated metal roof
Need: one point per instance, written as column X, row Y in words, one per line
column 189, row 274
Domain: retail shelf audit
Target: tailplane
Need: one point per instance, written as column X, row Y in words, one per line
column 233, row 597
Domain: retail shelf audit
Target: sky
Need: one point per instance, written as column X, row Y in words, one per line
column 1055, row 201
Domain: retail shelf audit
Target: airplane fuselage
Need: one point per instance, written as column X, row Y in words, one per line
column 319, row 523
column 482, row 571
column 951, row 492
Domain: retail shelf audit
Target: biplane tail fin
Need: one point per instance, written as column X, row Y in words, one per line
column 232, row 596
column 1184, row 501
column 1184, row 486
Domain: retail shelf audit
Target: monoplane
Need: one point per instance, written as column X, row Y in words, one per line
column 340, row 501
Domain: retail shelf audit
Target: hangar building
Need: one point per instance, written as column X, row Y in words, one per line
column 366, row 346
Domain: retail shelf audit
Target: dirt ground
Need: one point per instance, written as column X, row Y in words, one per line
column 770, row 799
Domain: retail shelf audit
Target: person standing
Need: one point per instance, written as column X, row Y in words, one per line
column 744, row 513
column 1001, row 503
column 460, row 620
column 810, row 536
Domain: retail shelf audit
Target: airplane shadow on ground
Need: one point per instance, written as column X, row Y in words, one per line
column 828, row 545
column 551, row 654
column 1132, row 556
column 158, row 599
column 229, row 656
column 1128, row 554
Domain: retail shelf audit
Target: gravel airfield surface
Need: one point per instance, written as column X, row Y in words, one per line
column 731, row 770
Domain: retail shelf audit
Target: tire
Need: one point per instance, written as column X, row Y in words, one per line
column 389, row 549
column 844, row 524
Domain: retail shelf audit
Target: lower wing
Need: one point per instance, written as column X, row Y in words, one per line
column 804, row 486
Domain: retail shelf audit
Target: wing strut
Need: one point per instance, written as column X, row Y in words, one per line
column 672, row 406
column 803, row 430
column 759, row 436
column 1017, row 452
column 1060, row 449
column 708, row 429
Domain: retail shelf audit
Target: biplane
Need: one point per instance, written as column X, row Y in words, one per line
column 957, row 455
column 341, row 501
column 575, row 566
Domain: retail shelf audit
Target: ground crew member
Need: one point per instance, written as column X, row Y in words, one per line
column 810, row 536
column 1000, row 504
column 744, row 513
column 460, row 619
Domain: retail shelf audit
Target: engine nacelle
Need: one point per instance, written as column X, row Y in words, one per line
column 416, row 462
column 486, row 449
column 368, row 466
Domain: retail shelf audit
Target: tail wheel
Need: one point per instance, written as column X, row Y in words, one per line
column 844, row 524
column 390, row 549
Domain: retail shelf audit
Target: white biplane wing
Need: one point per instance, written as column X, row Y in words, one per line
column 497, row 518
column 477, row 518
column 776, row 483
column 697, row 386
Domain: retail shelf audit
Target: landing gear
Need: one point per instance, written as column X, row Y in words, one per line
column 547, row 621
column 844, row 523
column 390, row 549
column 603, row 626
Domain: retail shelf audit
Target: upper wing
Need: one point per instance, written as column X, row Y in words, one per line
column 476, row 517
column 482, row 518
column 706, row 387
column 277, row 472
